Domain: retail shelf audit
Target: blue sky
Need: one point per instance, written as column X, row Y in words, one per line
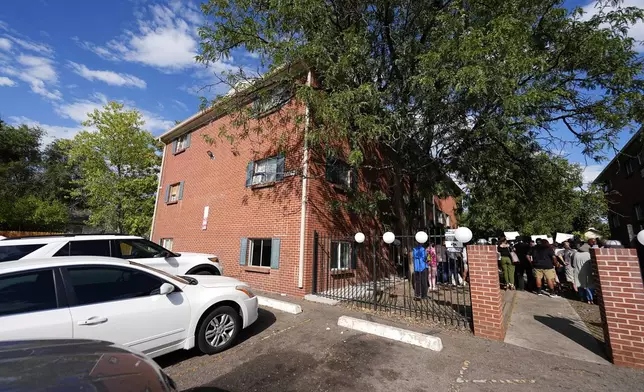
column 60, row 60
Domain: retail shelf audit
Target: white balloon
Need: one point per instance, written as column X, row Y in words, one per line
column 421, row 237
column 359, row 237
column 389, row 237
column 640, row 237
column 463, row 234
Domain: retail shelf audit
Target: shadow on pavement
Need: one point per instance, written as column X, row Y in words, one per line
column 207, row 389
column 568, row 329
column 264, row 320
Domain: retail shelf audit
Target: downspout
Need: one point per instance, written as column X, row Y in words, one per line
column 305, row 183
column 159, row 189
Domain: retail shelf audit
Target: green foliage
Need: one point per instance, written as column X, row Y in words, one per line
column 440, row 86
column 29, row 200
column 118, row 164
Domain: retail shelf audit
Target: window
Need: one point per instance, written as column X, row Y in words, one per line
column 639, row 212
column 15, row 252
column 340, row 255
column 271, row 100
column 339, row 172
column 181, row 143
column 32, row 291
column 265, row 171
column 85, row 248
column 96, row 284
column 629, row 167
column 608, row 185
column 260, row 252
column 167, row 243
column 138, row 249
column 174, row 192
column 615, row 220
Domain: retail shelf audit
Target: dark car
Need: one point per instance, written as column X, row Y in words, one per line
column 78, row 365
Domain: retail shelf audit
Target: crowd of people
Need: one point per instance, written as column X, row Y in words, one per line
column 436, row 264
column 533, row 265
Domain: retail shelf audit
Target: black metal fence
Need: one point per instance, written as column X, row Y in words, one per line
column 381, row 277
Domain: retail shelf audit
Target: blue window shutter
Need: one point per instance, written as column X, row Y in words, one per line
column 167, row 193
column 181, row 190
column 243, row 247
column 280, row 168
column 174, row 146
column 188, row 140
column 249, row 174
column 275, row 253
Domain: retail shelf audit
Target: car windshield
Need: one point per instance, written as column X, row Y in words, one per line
column 175, row 277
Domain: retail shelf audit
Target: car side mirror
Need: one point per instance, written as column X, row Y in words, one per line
column 166, row 289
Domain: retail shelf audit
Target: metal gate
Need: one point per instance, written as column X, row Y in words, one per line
column 380, row 276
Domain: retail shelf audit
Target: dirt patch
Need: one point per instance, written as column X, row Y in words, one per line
column 591, row 316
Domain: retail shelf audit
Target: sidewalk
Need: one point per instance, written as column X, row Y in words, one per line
column 552, row 326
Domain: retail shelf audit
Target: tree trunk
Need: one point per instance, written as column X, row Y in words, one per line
column 399, row 203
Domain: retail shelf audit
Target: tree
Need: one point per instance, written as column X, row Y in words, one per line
column 441, row 85
column 25, row 202
column 118, row 163
column 558, row 203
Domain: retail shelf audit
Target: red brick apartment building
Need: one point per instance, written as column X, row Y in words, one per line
column 257, row 209
column 623, row 183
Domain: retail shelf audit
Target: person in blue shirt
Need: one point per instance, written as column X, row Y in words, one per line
column 420, row 272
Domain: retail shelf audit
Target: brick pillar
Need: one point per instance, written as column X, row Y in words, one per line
column 487, row 302
column 621, row 302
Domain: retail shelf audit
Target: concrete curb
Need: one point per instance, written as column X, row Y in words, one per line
column 401, row 335
column 284, row 306
column 321, row 300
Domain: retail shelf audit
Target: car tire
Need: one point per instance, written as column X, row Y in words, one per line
column 202, row 272
column 216, row 326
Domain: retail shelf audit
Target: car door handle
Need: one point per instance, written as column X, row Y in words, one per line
column 93, row 321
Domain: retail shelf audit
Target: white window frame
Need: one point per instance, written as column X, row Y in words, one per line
column 165, row 241
column 271, row 101
column 251, row 250
column 264, row 176
column 182, row 142
column 176, row 186
column 336, row 265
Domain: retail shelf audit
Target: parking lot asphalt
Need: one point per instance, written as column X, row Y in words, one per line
column 309, row 352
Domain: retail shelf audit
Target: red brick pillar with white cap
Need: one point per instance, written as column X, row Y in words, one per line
column 485, row 289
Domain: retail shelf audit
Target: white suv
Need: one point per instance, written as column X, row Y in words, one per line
column 122, row 246
column 121, row 301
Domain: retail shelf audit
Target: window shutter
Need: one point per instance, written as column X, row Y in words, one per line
column 188, row 139
column 243, row 247
column 249, row 174
column 354, row 256
column 354, row 179
column 181, row 190
column 174, row 146
column 167, row 193
column 275, row 253
column 280, row 167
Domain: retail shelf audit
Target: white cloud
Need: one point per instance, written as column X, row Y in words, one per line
column 591, row 172
column 53, row 131
column 79, row 109
column 165, row 38
column 5, row 81
column 33, row 46
column 180, row 105
column 5, row 44
column 109, row 77
column 636, row 31
column 37, row 72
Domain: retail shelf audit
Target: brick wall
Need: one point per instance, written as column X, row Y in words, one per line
column 621, row 301
column 487, row 302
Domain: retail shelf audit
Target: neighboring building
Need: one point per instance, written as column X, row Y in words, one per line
column 244, row 202
column 623, row 184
